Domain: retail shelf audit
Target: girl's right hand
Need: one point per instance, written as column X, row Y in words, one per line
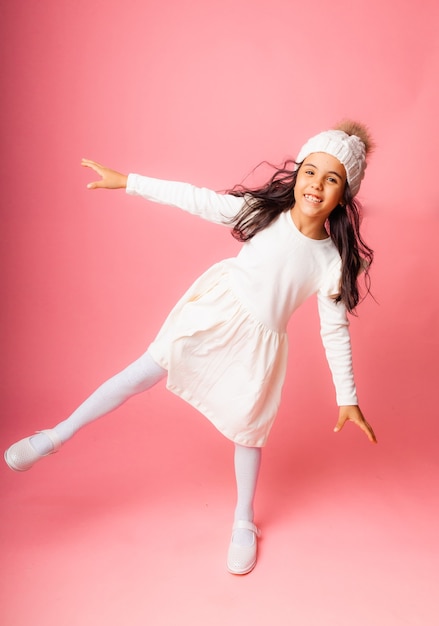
column 110, row 179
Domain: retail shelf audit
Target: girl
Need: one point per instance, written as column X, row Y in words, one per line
column 223, row 348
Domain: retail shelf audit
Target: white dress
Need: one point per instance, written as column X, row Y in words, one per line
column 224, row 344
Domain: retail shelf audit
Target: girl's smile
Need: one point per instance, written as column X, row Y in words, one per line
column 319, row 189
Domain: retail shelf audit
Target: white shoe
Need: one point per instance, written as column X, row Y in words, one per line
column 21, row 456
column 242, row 559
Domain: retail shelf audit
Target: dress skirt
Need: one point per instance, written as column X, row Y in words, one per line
column 223, row 361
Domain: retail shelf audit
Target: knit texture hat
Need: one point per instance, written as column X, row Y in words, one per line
column 347, row 147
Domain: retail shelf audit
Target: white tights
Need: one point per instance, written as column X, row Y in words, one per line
column 137, row 377
column 247, row 463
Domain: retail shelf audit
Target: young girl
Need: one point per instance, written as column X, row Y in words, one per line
column 223, row 348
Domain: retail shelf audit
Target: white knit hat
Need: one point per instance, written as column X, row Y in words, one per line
column 350, row 150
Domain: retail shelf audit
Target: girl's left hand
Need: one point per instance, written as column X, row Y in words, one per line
column 354, row 414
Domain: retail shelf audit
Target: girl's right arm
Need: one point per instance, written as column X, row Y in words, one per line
column 210, row 205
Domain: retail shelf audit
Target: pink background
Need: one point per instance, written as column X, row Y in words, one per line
column 130, row 523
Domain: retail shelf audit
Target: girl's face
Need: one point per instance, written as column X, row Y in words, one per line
column 319, row 188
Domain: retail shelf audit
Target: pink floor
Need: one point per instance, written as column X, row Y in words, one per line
column 94, row 536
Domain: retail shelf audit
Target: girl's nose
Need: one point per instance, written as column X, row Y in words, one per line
column 317, row 183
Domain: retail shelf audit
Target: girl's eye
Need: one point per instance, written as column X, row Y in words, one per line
column 332, row 180
column 309, row 172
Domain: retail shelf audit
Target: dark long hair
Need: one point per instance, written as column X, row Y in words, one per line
column 265, row 203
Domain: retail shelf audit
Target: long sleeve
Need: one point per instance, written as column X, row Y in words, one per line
column 334, row 330
column 210, row 205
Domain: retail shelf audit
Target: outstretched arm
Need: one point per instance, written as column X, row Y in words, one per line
column 215, row 207
column 354, row 414
column 110, row 179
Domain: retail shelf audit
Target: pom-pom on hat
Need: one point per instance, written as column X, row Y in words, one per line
column 350, row 143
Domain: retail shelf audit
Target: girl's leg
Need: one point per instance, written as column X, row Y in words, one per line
column 137, row 377
column 247, row 464
column 242, row 554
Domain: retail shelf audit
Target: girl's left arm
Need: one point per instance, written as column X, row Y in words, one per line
column 334, row 329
